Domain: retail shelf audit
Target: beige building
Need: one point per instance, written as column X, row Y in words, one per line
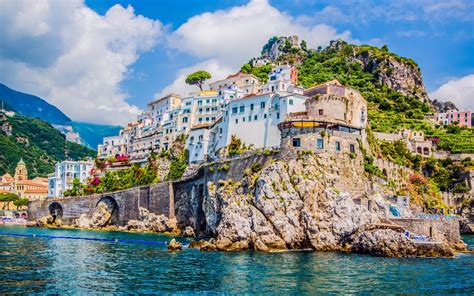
column 333, row 102
column 21, row 186
column 248, row 83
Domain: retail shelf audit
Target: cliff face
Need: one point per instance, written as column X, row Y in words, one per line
column 306, row 202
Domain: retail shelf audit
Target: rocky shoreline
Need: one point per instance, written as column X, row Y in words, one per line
column 302, row 203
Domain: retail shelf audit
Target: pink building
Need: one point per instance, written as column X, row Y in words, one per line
column 462, row 118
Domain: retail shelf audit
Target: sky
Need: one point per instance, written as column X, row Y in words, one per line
column 101, row 61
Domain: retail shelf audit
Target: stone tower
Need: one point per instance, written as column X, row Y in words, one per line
column 21, row 173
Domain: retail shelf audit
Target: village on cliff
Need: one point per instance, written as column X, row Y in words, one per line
column 264, row 165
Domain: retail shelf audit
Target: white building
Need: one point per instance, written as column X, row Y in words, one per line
column 112, row 146
column 159, row 107
column 247, row 83
column 254, row 120
column 282, row 78
column 64, row 174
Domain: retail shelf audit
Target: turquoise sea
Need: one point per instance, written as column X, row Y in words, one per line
column 131, row 263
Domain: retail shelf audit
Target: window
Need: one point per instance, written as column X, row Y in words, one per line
column 200, row 110
column 200, row 103
column 220, row 130
column 264, row 115
column 251, row 107
column 296, row 142
column 234, row 110
column 207, row 109
column 352, row 148
column 321, row 112
column 185, row 119
column 262, row 105
column 200, row 138
column 255, row 117
column 250, row 118
column 242, row 109
column 207, row 118
column 188, row 103
column 200, row 119
column 191, row 139
column 290, row 101
column 338, row 146
column 243, row 119
column 273, row 88
column 320, row 143
column 236, row 121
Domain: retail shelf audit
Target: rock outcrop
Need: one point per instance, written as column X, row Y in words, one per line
column 174, row 245
column 150, row 222
column 386, row 242
column 308, row 202
column 49, row 221
column 101, row 217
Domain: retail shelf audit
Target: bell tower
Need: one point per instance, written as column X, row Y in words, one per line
column 21, row 173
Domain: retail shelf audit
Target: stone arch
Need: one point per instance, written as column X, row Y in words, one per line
column 384, row 172
column 418, row 150
column 56, row 210
column 112, row 207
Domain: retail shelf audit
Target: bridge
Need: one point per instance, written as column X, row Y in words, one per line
column 124, row 205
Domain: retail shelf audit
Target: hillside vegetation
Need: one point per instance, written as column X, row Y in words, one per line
column 391, row 84
column 38, row 143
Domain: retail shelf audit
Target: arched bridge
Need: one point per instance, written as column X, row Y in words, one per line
column 124, row 205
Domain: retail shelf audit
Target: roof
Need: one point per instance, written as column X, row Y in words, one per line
column 8, row 177
column 36, row 191
column 163, row 98
column 21, row 161
column 332, row 82
column 32, row 183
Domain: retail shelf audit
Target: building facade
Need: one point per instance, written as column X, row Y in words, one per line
column 461, row 118
column 64, row 174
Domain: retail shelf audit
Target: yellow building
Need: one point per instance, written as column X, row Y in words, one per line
column 20, row 185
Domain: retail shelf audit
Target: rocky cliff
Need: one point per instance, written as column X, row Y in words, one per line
column 397, row 73
column 307, row 202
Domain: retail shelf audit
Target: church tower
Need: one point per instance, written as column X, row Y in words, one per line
column 21, row 173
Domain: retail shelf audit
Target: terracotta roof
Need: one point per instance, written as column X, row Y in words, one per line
column 32, row 183
column 4, row 191
column 8, row 177
column 36, row 191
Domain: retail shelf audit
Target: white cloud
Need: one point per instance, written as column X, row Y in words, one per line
column 229, row 38
column 73, row 57
column 459, row 91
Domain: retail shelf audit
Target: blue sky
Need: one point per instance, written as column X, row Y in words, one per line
column 112, row 57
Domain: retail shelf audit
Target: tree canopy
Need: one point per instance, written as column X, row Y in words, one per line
column 198, row 78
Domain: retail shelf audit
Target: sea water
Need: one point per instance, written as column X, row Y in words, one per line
column 49, row 261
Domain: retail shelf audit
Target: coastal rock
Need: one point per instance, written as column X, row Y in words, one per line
column 150, row 222
column 387, row 242
column 49, row 221
column 208, row 246
column 101, row 217
column 174, row 245
column 307, row 202
column 188, row 232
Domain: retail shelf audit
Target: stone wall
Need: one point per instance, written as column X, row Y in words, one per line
column 438, row 230
column 157, row 198
column 399, row 174
column 308, row 141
